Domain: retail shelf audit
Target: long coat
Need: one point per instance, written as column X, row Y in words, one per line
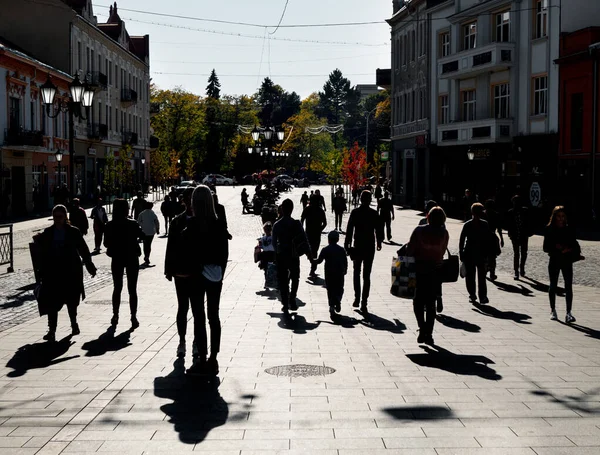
column 61, row 270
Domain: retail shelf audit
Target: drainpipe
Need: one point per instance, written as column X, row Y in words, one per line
column 594, row 53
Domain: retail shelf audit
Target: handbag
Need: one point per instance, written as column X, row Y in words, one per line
column 404, row 277
column 300, row 245
column 463, row 270
column 450, row 269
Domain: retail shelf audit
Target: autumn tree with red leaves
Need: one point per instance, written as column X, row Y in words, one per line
column 354, row 166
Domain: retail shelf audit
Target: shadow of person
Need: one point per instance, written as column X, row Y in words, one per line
column 315, row 280
column 578, row 404
column 271, row 294
column 39, row 355
column 592, row 333
column 391, row 242
column 513, row 289
column 146, row 266
column 20, row 298
column 487, row 310
column 107, row 342
column 539, row 286
column 458, row 324
column 300, row 303
column 197, row 405
column 463, row 364
column 295, row 322
column 343, row 321
column 375, row 322
column 424, row 412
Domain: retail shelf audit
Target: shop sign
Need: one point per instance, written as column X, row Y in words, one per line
column 421, row 140
column 385, row 156
column 535, row 194
column 409, row 153
column 481, row 153
column 92, row 151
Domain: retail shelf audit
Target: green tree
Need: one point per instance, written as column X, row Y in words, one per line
column 213, row 90
column 338, row 102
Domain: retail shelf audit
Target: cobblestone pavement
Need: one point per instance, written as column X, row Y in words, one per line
column 502, row 379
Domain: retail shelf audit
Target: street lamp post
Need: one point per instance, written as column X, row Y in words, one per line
column 59, row 157
column 81, row 95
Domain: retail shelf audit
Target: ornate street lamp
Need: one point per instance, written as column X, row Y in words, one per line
column 280, row 134
column 470, row 155
column 81, row 96
column 250, row 150
column 59, row 156
column 268, row 133
column 255, row 134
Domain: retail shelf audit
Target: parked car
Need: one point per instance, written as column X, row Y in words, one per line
column 217, row 179
column 285, row 179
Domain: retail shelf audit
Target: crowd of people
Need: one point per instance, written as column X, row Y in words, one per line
column 197, row 266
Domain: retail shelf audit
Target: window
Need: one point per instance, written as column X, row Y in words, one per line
column 65, row 128
column 502, row 101
column 405, row 49
column 32, row 124
column 444, row 44
column 469, row 101
column 541, row 18
column 469, row 33
column 116, row 76
column 109, row 71
column 79, row 55
column 91, row 68
column 540, row 95
column 405, row 110
column 576, row 121
column 87, row 59
column 413, row 46
column 43, row 121
column 15, row 113
column 421, row 104
column 444, row 109
column 413, row 107
column 502, row 22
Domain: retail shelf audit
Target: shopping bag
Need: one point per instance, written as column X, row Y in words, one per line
column 257, row 251
column 271, row 277
column 463, row 270
column 450, row 269
column 404, row 277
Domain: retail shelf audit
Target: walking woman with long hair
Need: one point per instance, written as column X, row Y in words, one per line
column 206, row 236
column 121, row 240
column 561, row 245
column 62, row 250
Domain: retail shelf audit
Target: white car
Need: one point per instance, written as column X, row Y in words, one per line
column 218, row 179
column 285, row 179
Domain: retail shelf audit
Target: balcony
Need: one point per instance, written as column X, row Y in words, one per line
column 97, row 131
column 472, row 62
column 129, row 137
column 21, row 137
column 383, row 78
column 154, row 142
column 475, row 132
column 98, row 81
column 128, row 96
column 412, row 128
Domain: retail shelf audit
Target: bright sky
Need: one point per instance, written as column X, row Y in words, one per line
column 181, row 57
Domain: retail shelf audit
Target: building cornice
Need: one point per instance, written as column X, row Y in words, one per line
column 476, row 10
column 404, row 12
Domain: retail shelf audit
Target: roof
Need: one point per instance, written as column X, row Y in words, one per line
column 7, row 47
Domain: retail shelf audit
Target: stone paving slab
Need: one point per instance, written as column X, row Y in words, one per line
column 504, row 380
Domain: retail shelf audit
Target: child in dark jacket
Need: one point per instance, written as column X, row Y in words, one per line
column 336, row 267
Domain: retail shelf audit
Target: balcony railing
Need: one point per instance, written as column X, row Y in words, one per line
column 23, row 137
column 411, row 128
column 129, row 137
column 98, row 80
column 471, row 62
column 129, row 95
column 97, row 131
column 154, row 142
column 475, row 132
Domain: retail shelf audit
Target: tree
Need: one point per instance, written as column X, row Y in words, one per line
column 213, row 90
column 354, row 166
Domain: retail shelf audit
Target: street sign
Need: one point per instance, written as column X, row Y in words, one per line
column 409, row 153
column 385, row 156
column 535, row 194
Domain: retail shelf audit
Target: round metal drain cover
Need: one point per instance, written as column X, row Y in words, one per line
column 300, row 371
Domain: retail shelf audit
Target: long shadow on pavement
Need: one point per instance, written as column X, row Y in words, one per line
column 457, row 324
column 197, row 405
column 487, row 310
column 39, row 355
column 107, row 342
column 295, row 322
column 20, row 298
column 580, row 404
column 541, row 287
column 592, row 333
column 315, row 281
column 520, row 289
column 375, row 322
column 420, row 412
column 346, row 322
column 271, row 294
column 463, row 364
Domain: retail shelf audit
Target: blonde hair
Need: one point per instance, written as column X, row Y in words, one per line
column 558, row 209
column 203, row 204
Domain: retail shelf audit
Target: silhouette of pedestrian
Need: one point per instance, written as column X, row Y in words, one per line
column 166, row 208
column 519, row 231
column 78, row 218
column 474, row 247
column 244, row 197
column 366, row 229
column 304, row 200
column 151, row 226
column 321, row 200
column 138, row 205
column 424, row 222
column 339, row 207
column 428, row 245
column 336, row 267
column 62, row 252
column 100, row 218
column 386, row 212
column 316, row 221
column 493, row 219
column 121, row 239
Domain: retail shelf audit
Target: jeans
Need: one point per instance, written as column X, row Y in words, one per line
column 335, row 289
column 555, row 266
column 428, row 289
column 363, row 259
column 338, row 220
column 520, row 248
column 98, row 234
column 147, row 246
column 72, row 303
column 476, row 267
column 314, row 240
column 184, row 288
column 288, row 268
column 118, row 267
column 388, row 227
column 167, row 221
column 200, row 287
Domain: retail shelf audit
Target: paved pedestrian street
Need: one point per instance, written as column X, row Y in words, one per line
column 502, row 379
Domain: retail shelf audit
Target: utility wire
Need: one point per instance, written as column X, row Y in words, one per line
column 262, row 53
column 274, row 61
column 254, row 75
column 281, row 18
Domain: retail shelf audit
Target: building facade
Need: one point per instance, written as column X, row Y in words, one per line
column 115, row 64
column 410, row 103
column 29, row 170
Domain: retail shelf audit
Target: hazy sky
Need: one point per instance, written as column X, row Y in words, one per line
column 296, row 66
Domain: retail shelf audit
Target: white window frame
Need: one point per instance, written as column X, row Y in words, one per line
column 502, row 101
column 444, row 109
column 469, row 105
column 501, row 20
column 541, row 18
column 469, row 35
column 445, row 44
column 540, row 95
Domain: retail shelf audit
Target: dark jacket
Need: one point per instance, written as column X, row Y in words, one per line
column 121, row 240
column 166, row 208
column 60, row 265
column 386, row 208
column 284, row 231
column 100, row 217
column 339, row 204
column 315, row 219
column 475, row 241
column 518, row 224
column 365, row 227
column 78, row 219
column 565, row 237
column 137, row 207
column 336, row 263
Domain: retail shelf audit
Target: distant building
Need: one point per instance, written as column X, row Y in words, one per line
column 367, row 90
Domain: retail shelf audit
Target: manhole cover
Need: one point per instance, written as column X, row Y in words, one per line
column 300, row 371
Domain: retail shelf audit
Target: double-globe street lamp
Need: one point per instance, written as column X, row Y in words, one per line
column 271, row 137
column 59, row 156
column 81, row 95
